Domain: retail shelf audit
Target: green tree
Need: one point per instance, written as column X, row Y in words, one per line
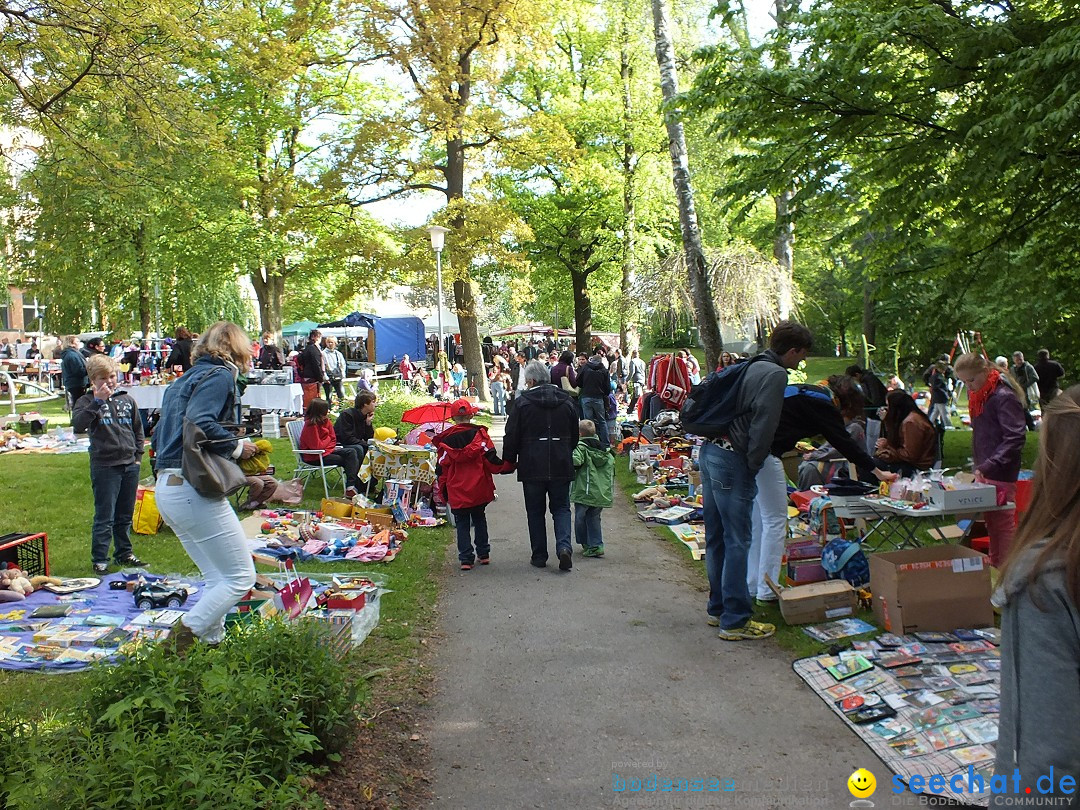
column 944, row 128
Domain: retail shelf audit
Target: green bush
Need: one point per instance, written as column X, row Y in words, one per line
column 233, row 727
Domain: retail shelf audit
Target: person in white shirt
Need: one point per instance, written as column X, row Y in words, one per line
column 334, row 364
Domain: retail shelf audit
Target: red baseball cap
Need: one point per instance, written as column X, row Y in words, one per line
column 462, row 407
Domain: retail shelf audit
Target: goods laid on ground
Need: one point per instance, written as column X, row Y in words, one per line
column 925, row 703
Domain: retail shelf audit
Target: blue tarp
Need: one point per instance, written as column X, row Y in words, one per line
column 395, row 337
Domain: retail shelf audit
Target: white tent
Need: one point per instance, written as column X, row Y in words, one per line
column 449, row 323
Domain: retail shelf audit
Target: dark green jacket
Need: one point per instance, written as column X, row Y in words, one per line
column 594, row 478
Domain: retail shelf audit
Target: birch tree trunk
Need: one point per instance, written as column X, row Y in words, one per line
column 784, row 238
column 700, row 289
column 630, row 310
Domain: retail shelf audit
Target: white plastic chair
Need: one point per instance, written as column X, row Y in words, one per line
column 304, row 469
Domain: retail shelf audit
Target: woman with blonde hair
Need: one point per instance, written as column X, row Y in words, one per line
column 207, row 527
column 995, row 403
column 1040, row 621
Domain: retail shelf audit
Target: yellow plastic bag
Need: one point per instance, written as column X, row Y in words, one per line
column 147, row 519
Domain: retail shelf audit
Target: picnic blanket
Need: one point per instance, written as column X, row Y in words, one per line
column 28, row 643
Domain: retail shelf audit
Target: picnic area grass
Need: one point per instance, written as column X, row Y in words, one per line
column 52, row 494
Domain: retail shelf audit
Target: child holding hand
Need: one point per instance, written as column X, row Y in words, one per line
column 465, row 462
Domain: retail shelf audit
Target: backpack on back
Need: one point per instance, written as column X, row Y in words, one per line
column 711, row 407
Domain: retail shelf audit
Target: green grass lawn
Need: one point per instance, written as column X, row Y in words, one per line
column 52, row 494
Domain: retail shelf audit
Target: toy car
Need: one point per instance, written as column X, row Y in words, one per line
column 156, row 595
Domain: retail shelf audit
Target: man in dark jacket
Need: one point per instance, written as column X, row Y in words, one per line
column 595, row 384
column 310, row 365
column 73, row 370
column 541, row 435
column 353, row 427
column 1049, row 371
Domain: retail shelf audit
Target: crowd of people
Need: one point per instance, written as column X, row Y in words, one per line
column 558, row 406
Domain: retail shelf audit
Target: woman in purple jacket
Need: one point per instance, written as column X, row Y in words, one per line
column 998, row 436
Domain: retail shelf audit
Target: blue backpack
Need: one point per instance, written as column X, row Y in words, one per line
column 842, row 559
column 711, row 406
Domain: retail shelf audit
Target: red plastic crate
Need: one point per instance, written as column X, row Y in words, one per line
column 29, row 552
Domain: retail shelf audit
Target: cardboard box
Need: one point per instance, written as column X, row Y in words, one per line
column 934, row 588
column 966, row 496
column 337, row 507
column 817, row 602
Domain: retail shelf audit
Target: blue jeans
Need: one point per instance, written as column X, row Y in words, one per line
column 538, row 496
column 114, row 504
column 595, row 409
column 587, row 527
column 729, row 489
column 498, row 399
column 466, row 519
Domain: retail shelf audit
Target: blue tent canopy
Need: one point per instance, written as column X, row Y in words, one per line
column 353, row 319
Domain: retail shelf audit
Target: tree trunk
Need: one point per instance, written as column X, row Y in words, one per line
column 784, row 250
column 629, row 309
column 269, row 289
column 784, row 241
column 464, row 287
column 700, row 289
column 582, row 310
column 142, row 273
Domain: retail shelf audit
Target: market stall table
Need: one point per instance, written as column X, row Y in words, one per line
column 411, row 462
column 281, row 398
column 899, row 526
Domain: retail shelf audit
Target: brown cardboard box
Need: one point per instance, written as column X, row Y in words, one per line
column 816, row 602
column 934, row 588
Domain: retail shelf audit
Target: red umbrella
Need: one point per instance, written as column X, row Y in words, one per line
column 431, row 412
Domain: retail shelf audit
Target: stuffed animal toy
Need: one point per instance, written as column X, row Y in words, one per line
column 14, row 585
column 649, row 493
column 260, row 462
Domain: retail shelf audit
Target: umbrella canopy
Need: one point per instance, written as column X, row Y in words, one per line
column 437, row 412
column 353, row 319
column 299, row 328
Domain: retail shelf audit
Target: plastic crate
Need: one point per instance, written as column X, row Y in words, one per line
column 29, row 552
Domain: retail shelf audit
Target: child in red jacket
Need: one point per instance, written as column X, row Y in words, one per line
column 318, row 434
column 465, row 461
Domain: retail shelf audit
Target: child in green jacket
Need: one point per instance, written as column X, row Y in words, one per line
column 594, row 483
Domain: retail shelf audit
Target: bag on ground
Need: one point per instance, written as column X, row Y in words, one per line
column 146, row 519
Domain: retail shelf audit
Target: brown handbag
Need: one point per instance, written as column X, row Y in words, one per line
column 212, row 475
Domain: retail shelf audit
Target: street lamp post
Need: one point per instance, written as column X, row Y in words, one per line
column 438, row 237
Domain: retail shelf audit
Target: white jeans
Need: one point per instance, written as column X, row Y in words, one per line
column 210, row 532
column 769, row 528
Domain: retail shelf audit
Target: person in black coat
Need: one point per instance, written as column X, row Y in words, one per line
column 541, row 435
column 181, row 350
column 353, row 427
